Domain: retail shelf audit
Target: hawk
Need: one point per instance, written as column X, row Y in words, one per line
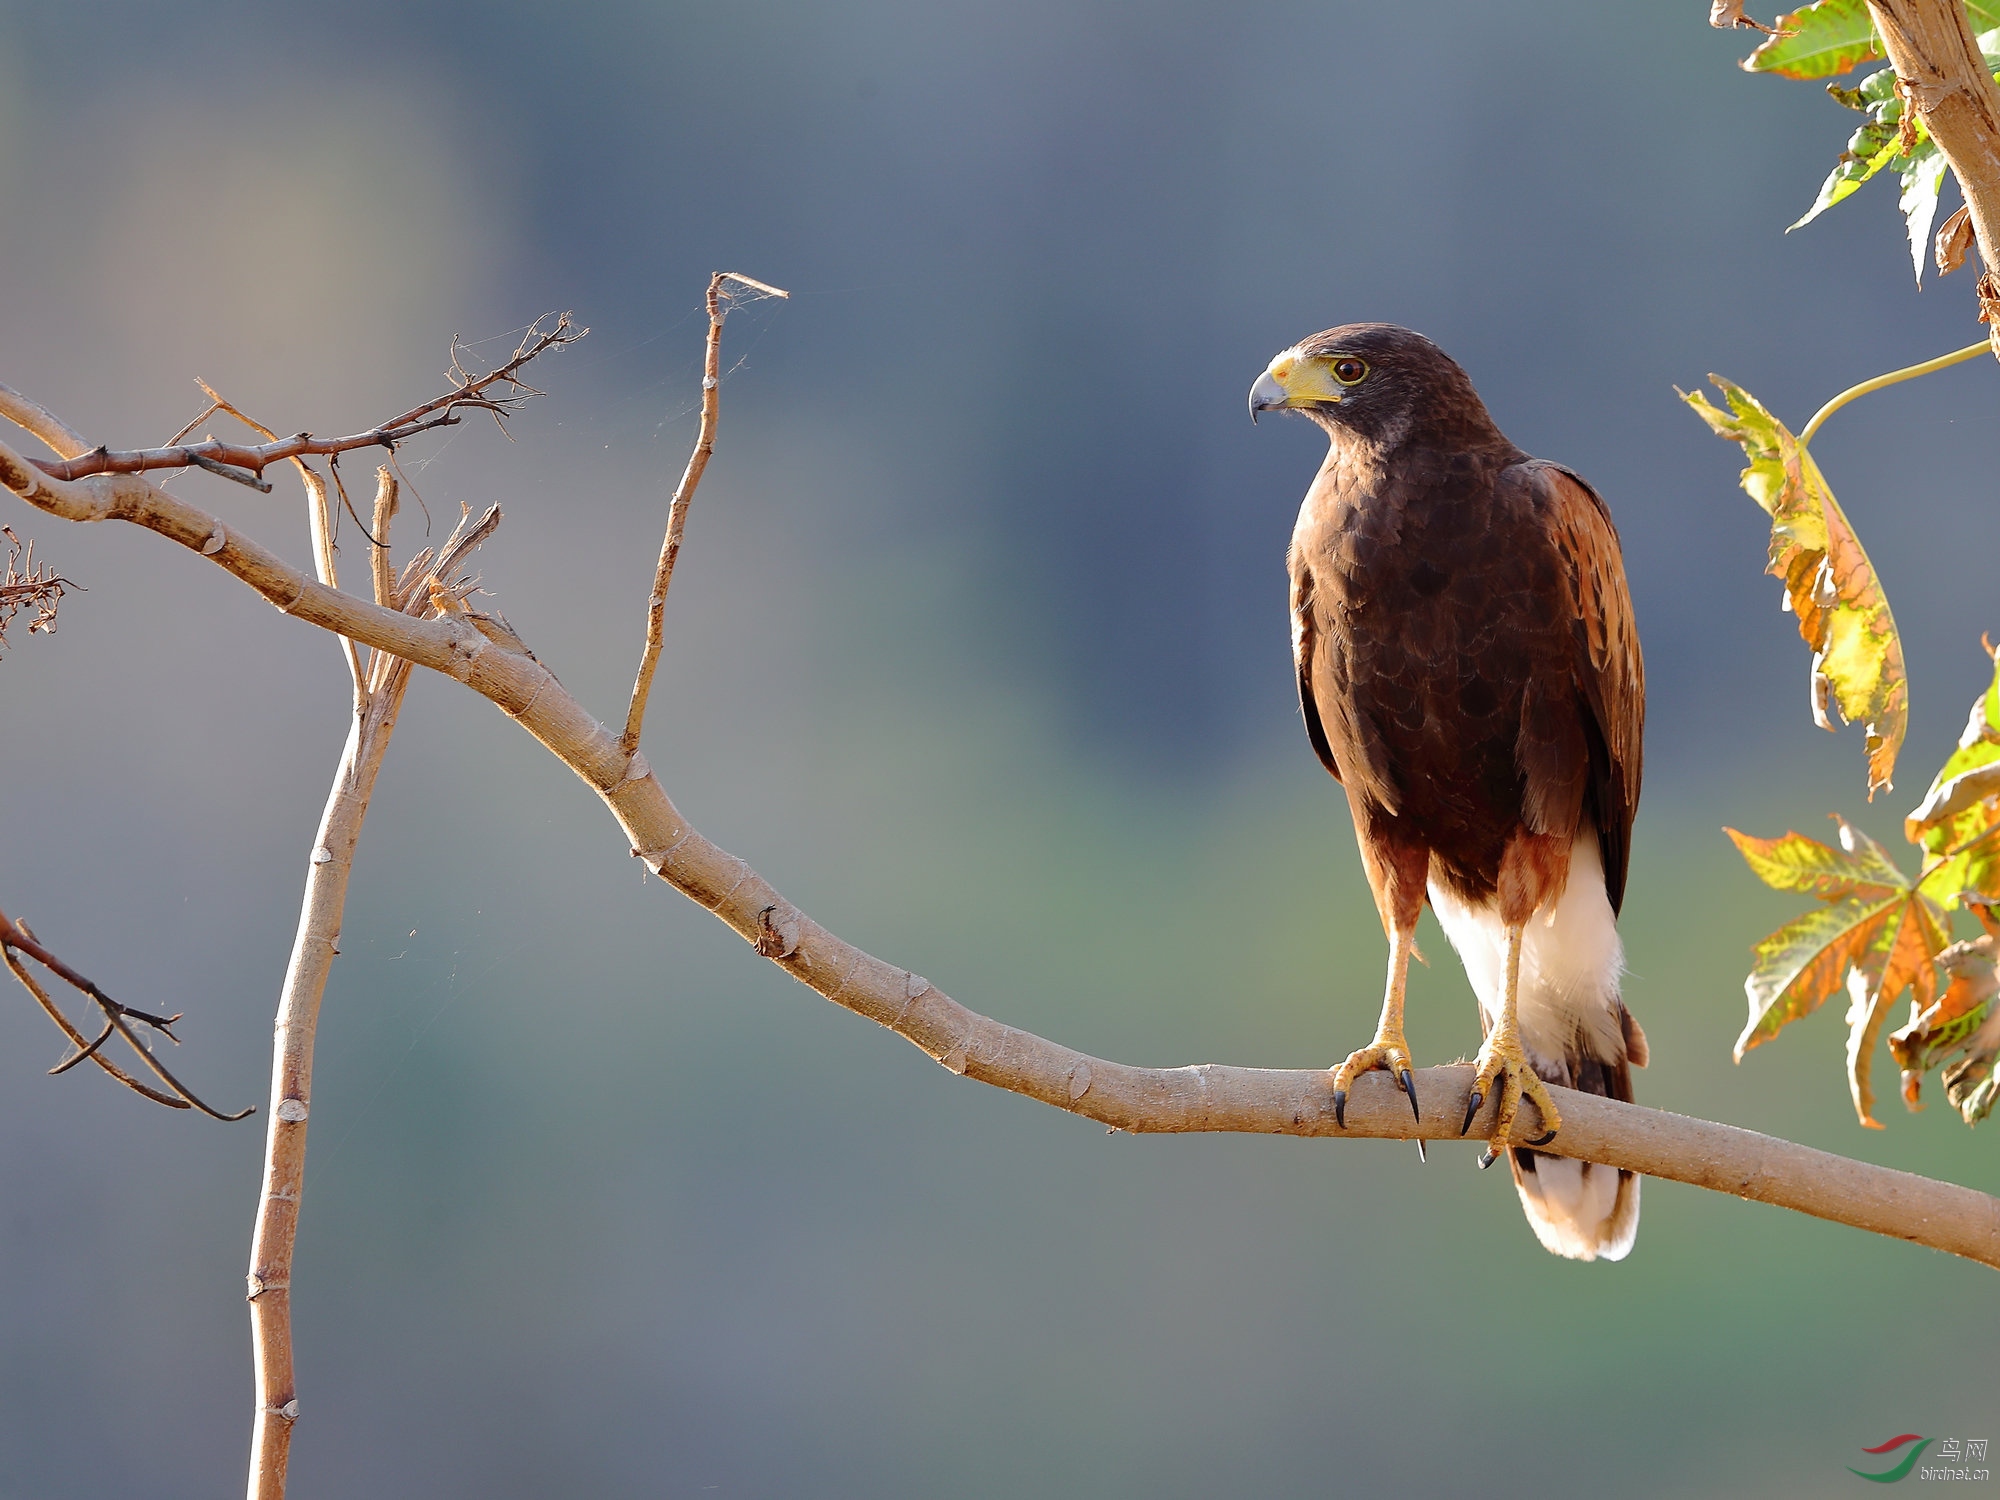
column 1469, row 671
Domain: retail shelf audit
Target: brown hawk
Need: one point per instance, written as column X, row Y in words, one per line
column 1469, row 671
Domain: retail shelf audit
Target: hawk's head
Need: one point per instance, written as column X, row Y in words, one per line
column 1376, row 382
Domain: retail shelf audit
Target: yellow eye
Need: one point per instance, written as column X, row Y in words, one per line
column 1349, row 371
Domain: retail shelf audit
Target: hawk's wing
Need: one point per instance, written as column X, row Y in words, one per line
column 1609, row 673
column 1305, row 640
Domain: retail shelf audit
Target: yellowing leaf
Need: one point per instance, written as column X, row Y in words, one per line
column 1969, row 776
column 1900, row 960
column 1804, row 962
column 1818, row 41
column 1876, row 937
column 1829, row 582
column 1964, row 1019
column 1797, row 863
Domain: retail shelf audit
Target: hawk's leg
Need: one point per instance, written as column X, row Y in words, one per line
column 1388, row 1051
column 1503, row 1066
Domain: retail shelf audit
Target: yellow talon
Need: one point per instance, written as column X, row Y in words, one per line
column 1503, row 1065
column 1391, row 1054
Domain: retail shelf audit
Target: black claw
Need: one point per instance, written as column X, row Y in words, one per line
column 1487, row 1158
column 1543, row 1140
column 1410, row 1088
column 1340, row 1108
column 1471, row 1109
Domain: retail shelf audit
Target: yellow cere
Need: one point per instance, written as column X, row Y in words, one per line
column 1306, row 379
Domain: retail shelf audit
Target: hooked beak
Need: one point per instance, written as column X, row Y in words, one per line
column 1265, row 395
column 1293, row 380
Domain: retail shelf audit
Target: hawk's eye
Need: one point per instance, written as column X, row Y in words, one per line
column 1349, row 371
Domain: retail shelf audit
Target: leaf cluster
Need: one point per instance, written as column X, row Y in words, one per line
column 1880, row 934
column 1832, row 37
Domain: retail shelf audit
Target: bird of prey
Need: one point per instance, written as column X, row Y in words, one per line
column 1469, row 671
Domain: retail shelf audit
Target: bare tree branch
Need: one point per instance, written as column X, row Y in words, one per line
column 697, row 464
column 31, row 416
column 1202, row 1098
column 378, row 699
column 313, row 950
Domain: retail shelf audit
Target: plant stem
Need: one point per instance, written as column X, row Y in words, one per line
column 1943, row 361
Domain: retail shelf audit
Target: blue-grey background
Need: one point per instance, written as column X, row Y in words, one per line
column 978, row 649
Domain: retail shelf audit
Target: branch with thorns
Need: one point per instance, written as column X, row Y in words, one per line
column 246, row 463
column 27, row 584
column 16, row 942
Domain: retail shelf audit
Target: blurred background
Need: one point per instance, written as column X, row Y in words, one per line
column 978, row 649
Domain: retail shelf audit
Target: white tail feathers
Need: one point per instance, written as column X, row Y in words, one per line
column 1580, row 1209
column 1576, row 1032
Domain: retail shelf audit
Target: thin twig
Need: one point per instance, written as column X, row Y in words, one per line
column 670, row 546
column 474, row 394
column 48, row 1004
column 85, row 1055
column 378, row 539
column 319, row 516
column 151, row 1059
column 14, row 938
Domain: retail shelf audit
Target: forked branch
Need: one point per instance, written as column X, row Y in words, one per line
column 16, row 942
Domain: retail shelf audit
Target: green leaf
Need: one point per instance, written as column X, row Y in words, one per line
column 1869, row 149
column 1829, row 582
column 1982, row 14
column 1968, row 868
column 1819, row 40
column 1923, row 176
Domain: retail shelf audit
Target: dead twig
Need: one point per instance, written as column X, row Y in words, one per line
column 670, row 546
column 470, row 393
column 17, row 941
column 27, row 584
column 378, row 540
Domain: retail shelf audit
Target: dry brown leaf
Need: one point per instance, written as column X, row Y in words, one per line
column 1725, row 15
column 1954, row 238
